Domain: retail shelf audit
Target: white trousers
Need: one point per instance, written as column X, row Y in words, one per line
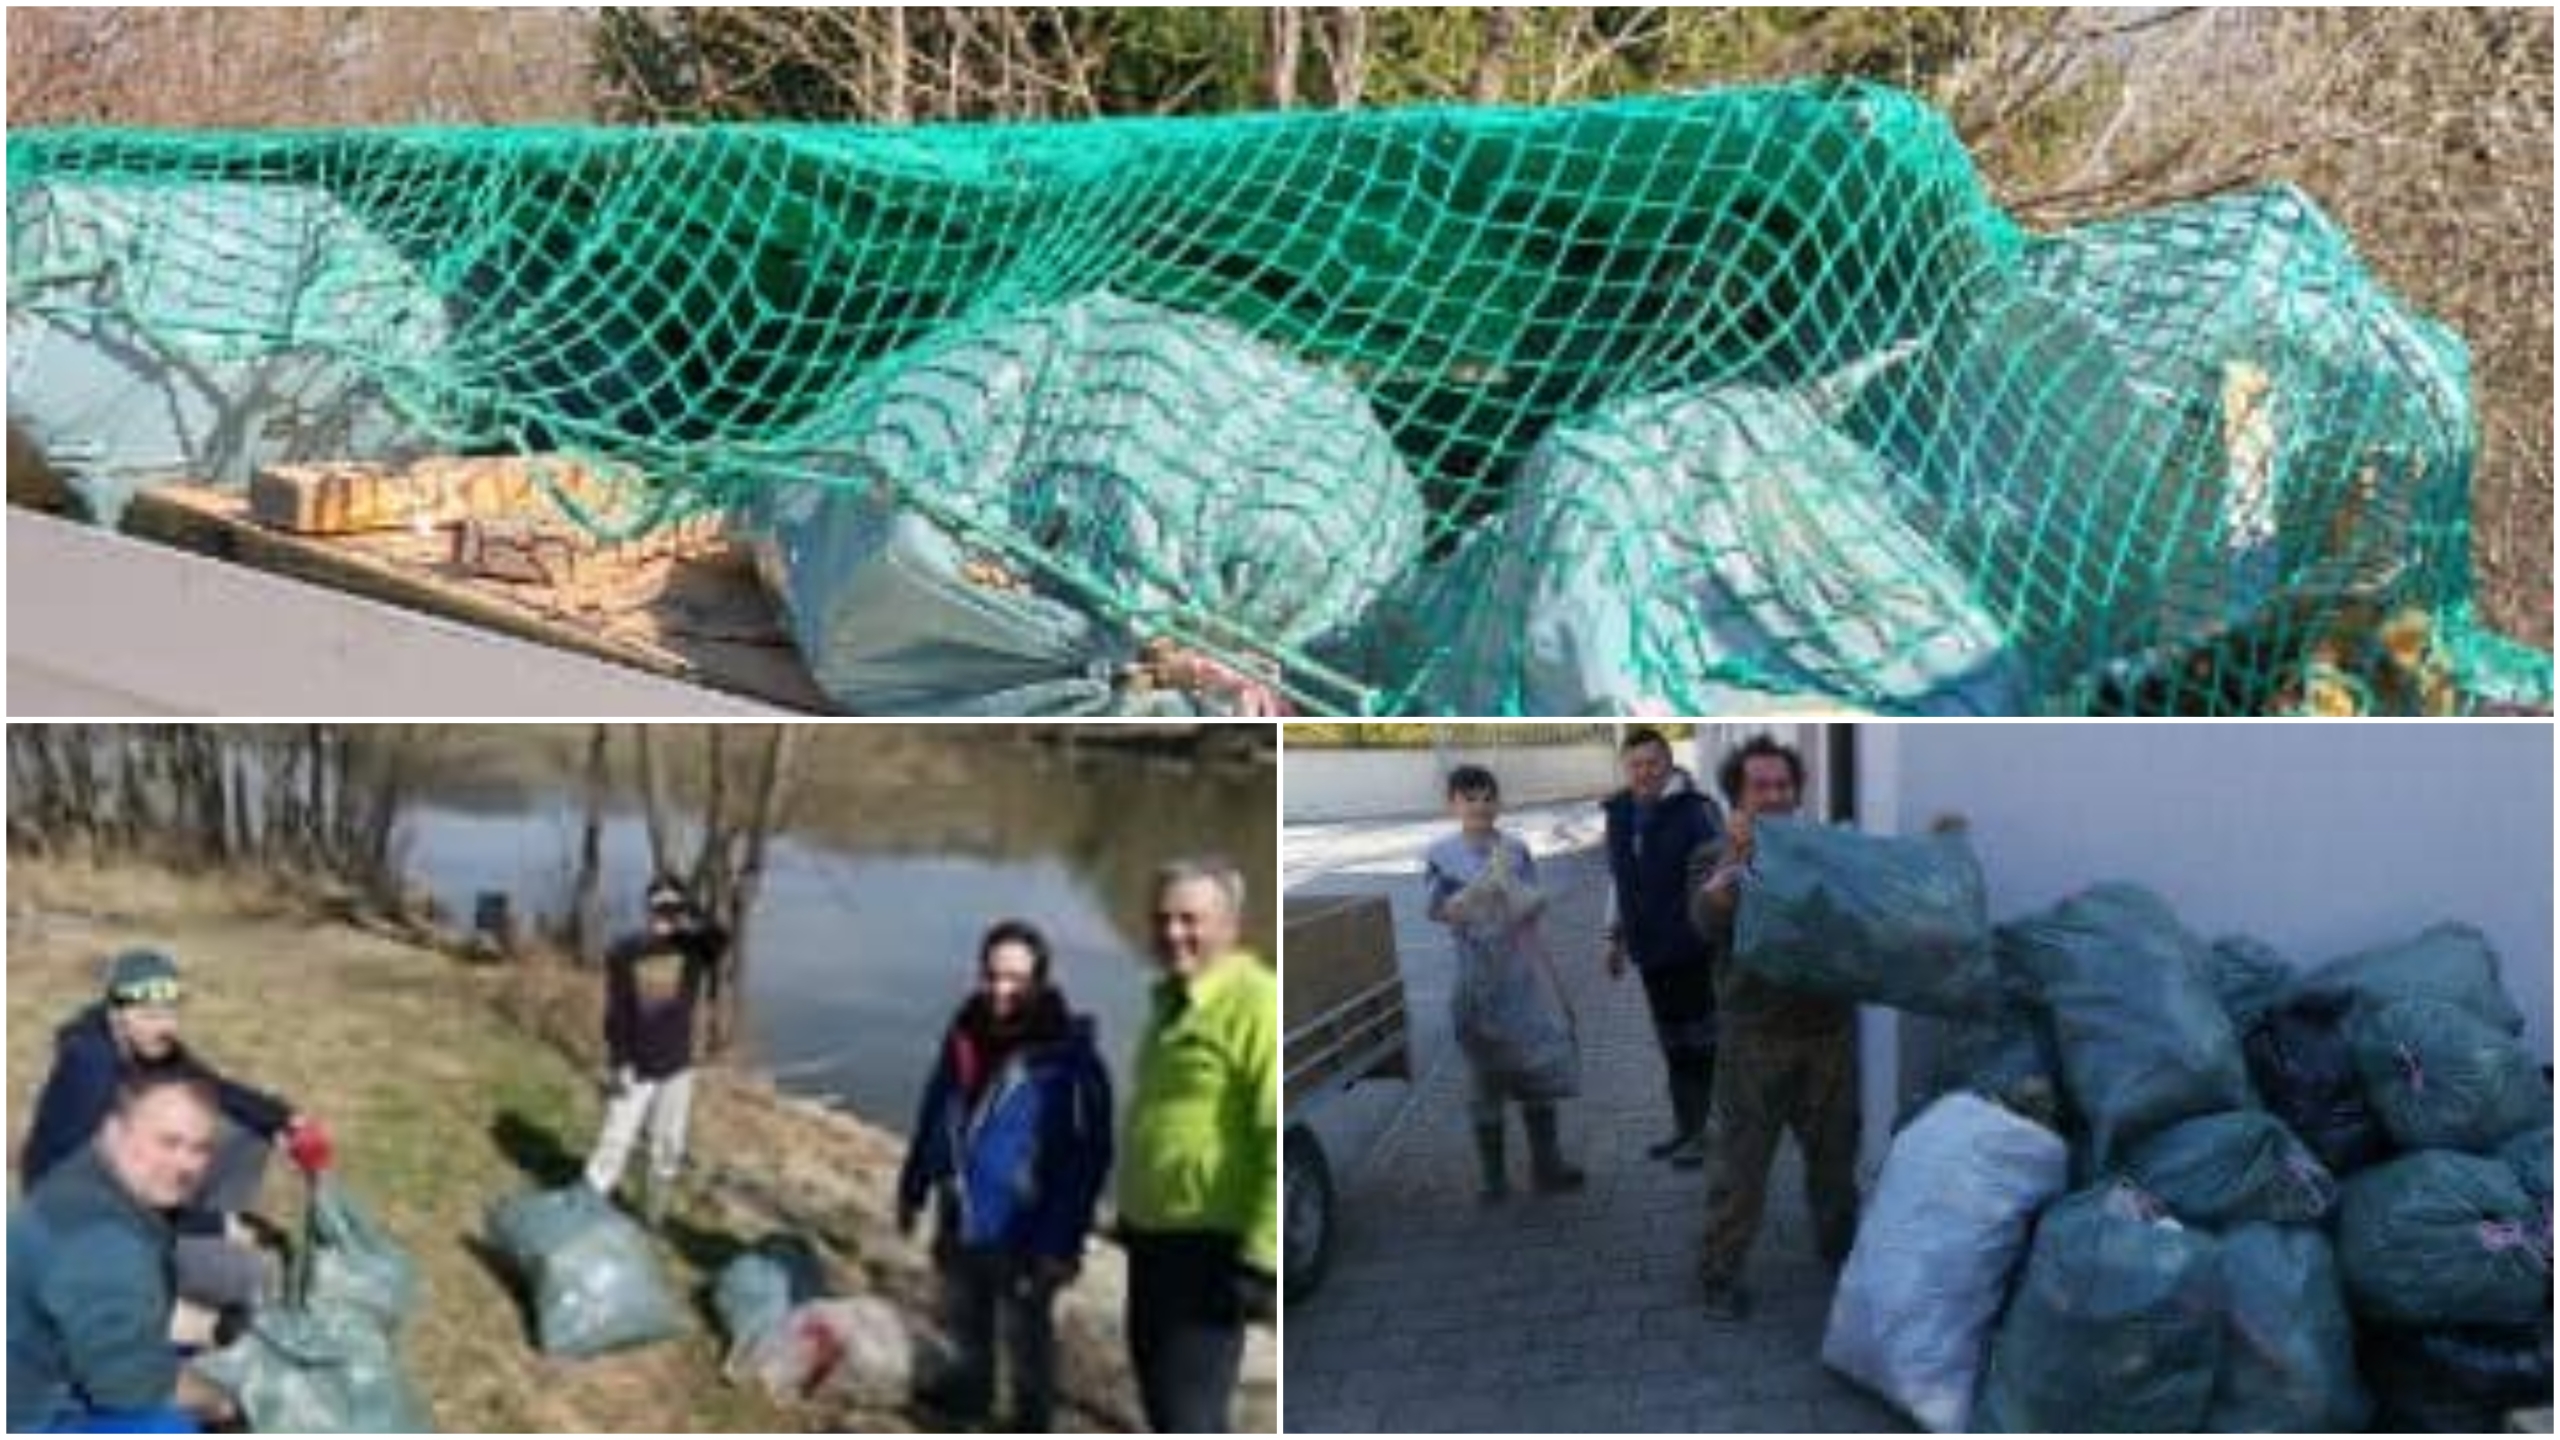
column 664, row 1107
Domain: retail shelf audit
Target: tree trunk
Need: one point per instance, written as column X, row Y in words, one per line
column 1493, row 62
column 1283, row 33
column 653, row 801
column 898, row 59
column 708, row 879
column 773, row 766
column 1349, row 71
column 586, row 900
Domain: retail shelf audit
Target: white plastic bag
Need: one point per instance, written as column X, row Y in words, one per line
column 1936, row 1252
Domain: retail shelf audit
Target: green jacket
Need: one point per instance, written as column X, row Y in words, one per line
column 1204, row 1120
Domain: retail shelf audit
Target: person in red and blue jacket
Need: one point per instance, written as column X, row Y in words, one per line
column 1011, row 1145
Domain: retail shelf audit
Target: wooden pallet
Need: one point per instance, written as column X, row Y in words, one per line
column 684, row 604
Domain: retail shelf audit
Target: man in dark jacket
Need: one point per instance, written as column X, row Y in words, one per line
column 656, row 984
column 1655, row 826
column 131, row 1035
column 90, row 1249
column 1011, row 1144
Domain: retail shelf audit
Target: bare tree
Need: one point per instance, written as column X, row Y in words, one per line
column 587, row 928
column 1283, row 39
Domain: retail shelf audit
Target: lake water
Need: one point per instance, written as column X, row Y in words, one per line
column 860, row 949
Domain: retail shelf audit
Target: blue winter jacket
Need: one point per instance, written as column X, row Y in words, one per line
column 1649, row 850
column 1021, row 1169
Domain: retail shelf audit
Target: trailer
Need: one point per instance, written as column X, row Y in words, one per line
column 1345, row 1023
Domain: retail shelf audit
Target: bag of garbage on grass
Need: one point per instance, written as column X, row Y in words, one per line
column 756, row 1291
column 2452, row 962
column 2443, row 1079
column 2462, row 1380
column 2116, row 1327
column 1938, row 1245
column 859, row 1351
column 588, row 1272
column 1882, row 920
column 2288, row 1346
column 323, row 1360
column 2144, row 1040
column 2231, row 1169
column 2250, row 977
column 2438, row 1238
column 2304, row 1068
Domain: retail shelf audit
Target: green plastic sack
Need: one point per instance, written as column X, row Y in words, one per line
column 2251, row 977
column 2442, row 1079
column 588, row 1270
column 2144, row 1040
column 2232, row 1169
column 353, row 1262
column 2116, row 1327
column 318, row 1372
column 2438, row 1238
column 756, row 1291
column 2288, row 1345
column 2452, row 962
column 1881, row 920
column 2009, row 1059
column 2529, row 1155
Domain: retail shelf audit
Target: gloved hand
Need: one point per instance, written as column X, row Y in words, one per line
column 308, row 1145
column 1257, row 1295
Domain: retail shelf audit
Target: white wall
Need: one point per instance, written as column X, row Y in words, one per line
column 1379, row 784
column 2318, row 838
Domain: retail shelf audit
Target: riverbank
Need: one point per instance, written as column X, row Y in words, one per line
column 451, row 1085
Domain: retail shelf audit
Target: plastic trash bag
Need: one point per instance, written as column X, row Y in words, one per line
column 354, row 1263
column 1941, row 1239
column 2144, row 1040
column 1509, row 1015
column 2231, row 1169
column 318, row 1372
column 2009, row 1058
column 2116, row 1327
column 2288, row 1346
column 756, row 1291
column 859, row 1351
column 2442, row 1079
column 588, row 1271
column 2438, row 1238
column 2305, row 1070
column 323, row 1361
column 2458, row 1381
column 2451, row 962
column 1881, row 920
column 2529, row 1155
column 2250, row 977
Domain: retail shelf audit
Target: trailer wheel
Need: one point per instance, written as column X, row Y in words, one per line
column 1306, row 1215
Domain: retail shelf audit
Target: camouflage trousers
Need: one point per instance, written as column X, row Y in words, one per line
column 1764, row 1084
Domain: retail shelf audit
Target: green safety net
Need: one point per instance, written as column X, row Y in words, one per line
column 1698, row 404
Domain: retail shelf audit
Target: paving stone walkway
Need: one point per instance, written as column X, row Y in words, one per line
column 1542, row 1313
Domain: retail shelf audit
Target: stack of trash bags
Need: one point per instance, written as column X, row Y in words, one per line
column 325, row 1361
column 789, row 1338
column 2174, row 1185
column 588, row 1273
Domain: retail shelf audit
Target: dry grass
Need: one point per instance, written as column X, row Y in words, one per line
column 443, row 1103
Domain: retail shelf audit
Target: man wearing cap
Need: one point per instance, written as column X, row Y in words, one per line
column 1200, row 1177
column 655, row 984
column 131, row 1034
column 90, row 1252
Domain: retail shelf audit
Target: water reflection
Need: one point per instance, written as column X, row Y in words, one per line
column 896, row 854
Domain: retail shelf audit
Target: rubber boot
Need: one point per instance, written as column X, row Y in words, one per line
column 1547, row 1167
column 1689, row 1103
column 1496, row 1181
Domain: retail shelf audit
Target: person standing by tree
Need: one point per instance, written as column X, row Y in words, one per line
column 656, row 985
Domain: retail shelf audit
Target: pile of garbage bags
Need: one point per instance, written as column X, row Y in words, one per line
column 2258, row 1198
column 326, row 1360
column 588, row 1272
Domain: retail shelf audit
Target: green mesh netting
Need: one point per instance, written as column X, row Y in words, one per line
column 1680, row 405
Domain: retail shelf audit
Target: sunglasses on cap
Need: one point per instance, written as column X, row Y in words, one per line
column 162, row 992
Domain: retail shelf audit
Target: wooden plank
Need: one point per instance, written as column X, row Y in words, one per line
column 104, row 625
column 352, row 497
column 686, row 606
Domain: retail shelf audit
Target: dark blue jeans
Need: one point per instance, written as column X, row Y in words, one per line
column 1186, row 1327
